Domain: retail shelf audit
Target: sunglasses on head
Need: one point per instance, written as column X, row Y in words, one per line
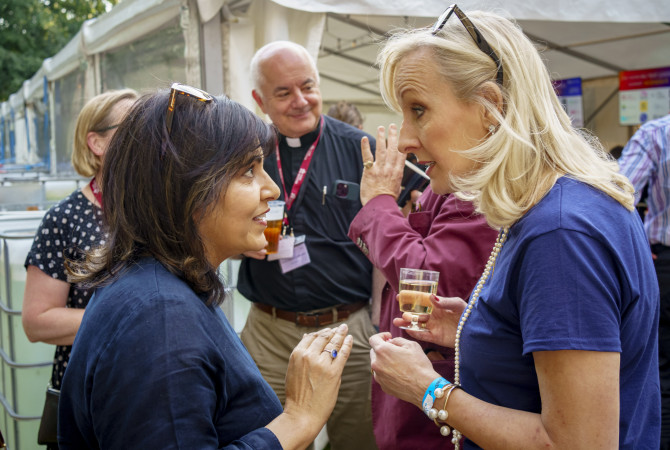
column 188, row 91
column 111, row 127
column 474, row 33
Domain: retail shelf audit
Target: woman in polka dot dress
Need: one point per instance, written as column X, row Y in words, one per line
column 52, row 307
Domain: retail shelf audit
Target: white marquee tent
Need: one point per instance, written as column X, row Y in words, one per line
column 149, row 43
column 145, row 44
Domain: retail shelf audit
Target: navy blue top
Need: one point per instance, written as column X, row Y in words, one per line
column 152, row 366
column 575, row 274
column 338, row 272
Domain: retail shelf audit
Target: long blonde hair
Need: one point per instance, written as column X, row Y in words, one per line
column 534, row 142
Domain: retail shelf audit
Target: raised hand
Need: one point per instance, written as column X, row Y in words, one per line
column 313, row 377
column 383, row 172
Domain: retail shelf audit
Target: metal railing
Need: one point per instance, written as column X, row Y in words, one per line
column 16, row 229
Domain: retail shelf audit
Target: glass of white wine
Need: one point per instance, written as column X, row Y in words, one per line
column 416, row 288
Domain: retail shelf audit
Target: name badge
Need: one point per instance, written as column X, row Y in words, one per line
column 299, row 259
column 284, row 249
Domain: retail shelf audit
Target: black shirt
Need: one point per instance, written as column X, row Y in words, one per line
column 338, row 272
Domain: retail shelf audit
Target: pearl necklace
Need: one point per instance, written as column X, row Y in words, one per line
column 488, row 270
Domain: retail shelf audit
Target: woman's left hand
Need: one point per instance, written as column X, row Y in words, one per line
column 401, row 367
column 441, row 325
column 312, row 383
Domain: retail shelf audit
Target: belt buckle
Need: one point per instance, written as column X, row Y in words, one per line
column 316, row 319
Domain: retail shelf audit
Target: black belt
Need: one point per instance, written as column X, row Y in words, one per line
column 314, row 319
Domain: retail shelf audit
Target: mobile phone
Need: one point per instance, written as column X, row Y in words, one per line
column 346, row 189
column 414, row 182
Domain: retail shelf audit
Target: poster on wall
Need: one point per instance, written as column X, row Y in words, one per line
column 643, row 95
column 569, row 92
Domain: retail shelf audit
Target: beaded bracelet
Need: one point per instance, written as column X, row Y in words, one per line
column 442, row 414
column 430, row 395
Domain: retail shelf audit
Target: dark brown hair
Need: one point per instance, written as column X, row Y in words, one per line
column 154, row 186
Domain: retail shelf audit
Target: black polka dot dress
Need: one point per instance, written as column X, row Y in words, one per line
column 68, row 229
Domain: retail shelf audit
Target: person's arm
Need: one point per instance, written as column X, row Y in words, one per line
column 579, row 391
column 637, row 161
column 169, row 373
column 45, row 316
column 577, row 411
column 456, row 239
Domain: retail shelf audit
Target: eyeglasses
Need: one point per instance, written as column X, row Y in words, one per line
column 111, row 127
column 474, row 33
column 189, row 91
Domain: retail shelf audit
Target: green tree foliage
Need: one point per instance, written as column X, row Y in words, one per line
column 33, row 30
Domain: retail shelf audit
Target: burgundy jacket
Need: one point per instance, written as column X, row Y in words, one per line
column 447, row 236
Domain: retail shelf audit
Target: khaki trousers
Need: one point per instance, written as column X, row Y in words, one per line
column 270, row 342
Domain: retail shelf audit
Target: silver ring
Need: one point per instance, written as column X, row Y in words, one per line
column 368, row 164
column 333, row 353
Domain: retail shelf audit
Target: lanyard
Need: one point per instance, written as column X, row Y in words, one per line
column 97, row 193
column 300, row 177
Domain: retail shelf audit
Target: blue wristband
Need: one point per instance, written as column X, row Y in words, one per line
column 429, row 396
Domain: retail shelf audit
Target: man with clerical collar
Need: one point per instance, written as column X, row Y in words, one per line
column 322, row 279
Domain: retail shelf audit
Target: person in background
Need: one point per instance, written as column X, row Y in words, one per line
column 645, row 160
column 444, row 235
column 155, row 363
column 557, row 345
column 346, row 112
column 616, row 151
column 52, row 306
column 327, row 280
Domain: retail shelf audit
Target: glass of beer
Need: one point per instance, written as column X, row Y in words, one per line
column 274, row 219
column 416, row 287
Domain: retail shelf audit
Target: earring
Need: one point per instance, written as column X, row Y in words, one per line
column 492, row 129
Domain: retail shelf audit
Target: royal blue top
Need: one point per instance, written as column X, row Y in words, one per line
column 153, row 366
column 575, row 274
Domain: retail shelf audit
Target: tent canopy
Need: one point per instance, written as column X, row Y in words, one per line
column 588, row 38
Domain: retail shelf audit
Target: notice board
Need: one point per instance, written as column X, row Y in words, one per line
column 569, row 92
column 643, row 95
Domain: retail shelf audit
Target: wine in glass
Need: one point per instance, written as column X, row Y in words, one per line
column 416, row 288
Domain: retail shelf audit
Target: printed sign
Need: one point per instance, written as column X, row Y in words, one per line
column 569, row 92
column 643, row 95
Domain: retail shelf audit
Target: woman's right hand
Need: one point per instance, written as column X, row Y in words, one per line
column 384, row 176
column 312, row 383
column 441, row 324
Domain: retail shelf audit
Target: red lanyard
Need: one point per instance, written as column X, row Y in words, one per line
column 97, row 193
column 300, row 178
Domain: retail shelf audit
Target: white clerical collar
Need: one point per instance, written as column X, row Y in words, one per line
column 293, row 142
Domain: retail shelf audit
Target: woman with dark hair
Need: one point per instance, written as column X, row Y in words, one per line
column 159, row 364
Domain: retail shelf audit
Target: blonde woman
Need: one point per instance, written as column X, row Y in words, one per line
column 556, row 346
column 53, row 307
